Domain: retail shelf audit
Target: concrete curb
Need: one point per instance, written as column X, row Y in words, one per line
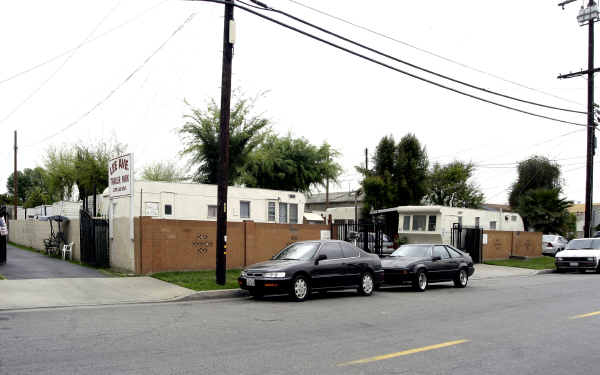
column 543, row 272
column 213, row 294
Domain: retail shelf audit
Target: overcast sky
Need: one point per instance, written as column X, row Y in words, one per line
column 311, row 89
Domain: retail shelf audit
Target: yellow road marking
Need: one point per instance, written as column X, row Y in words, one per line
column 403, row 353
column 585, row 315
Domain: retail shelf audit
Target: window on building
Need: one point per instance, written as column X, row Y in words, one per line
column 293, row 213
column 460, row 220
column 477, row 221
column 212, row 211
column 492, row 225
column 244, row 209
column 406, row 223
column 271, row 211
column 419, row 222
column 283, row 213
column 168, row 209
column 513, row 218
column 432, row 222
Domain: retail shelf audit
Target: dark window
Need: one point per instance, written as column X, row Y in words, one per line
column 477, row 222
column 293, row 213
column 432, row 220
column 453, row 252
column 350, row 251
column 168, row 209
column 406, row 223
column 441, row 252
column 419, row 222
column 271, row 211
column 283, row 213
column 492, row 225
column 244, row 209
column 332, row 250
column 212, row 211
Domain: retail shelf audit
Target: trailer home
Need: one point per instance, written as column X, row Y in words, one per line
column 433, row 224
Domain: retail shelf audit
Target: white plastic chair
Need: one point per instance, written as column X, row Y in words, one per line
column 67, row 250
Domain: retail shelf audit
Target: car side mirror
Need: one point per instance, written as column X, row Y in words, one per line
column 435, row 258
column 320, row 258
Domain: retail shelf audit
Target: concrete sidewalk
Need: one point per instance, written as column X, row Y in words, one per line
column 487, row 271
column 36, row 293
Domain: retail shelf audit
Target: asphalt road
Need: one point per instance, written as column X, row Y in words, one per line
column 519, row 325
column 23, row 264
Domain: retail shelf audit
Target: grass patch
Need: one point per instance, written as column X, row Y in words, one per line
column 541, row 263
column 199, row 280
column 2, row 277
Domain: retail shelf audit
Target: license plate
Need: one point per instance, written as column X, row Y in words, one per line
column 573, row 264
column 250, row 282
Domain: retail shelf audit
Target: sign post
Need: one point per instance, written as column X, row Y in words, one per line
column 121, row 184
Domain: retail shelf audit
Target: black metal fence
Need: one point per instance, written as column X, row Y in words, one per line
column 3, row 239
column 468, row 239
column 367, row 236
column 94, row 242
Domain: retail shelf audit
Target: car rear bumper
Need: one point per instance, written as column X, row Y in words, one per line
column 266, row 286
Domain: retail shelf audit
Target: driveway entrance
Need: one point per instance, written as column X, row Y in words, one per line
column 23, row 264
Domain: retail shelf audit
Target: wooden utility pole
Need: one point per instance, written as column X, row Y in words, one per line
column 223, row 177
column 366, row 159
column 15, row 181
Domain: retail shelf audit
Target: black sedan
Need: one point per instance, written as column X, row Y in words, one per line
column 420, row 265
column 308, row 266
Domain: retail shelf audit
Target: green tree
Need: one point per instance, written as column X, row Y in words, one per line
column 287, row 163
column 534, row 173
column 163, row 171
column 543, row 210
column 5, row 199
column 410, row 175
column 36, row 197
column 28, row 180
column 200, row 135
column 449, row 186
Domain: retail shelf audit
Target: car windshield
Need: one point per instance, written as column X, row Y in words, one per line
column 298, row 251
column 584, row 244
column 548, row 238
column 412, row 251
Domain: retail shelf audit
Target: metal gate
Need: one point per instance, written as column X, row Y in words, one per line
column 93, row 239
column 3, row 239
column 468, row 239
column 367, row 236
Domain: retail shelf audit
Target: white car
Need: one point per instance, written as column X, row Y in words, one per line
column 581, row 255
column 552, row 244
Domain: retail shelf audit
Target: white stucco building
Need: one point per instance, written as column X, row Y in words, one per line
column 190, row 201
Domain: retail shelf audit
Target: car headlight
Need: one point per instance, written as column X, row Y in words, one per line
column 243, row 274
column 275, row 274
column 559, row 258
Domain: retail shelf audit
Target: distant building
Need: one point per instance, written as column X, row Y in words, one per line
column 317, row 202
column 579, row 211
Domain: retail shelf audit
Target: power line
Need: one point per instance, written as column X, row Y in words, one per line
column 113, row 91
column 414, row 66
column 56, row 57
column 433, row 53
column 65, row 61
column 247, row 9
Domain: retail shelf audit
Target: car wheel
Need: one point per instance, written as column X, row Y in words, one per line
column 366, row 284
column 300, row 288
column 461, row 280
column 420, row 281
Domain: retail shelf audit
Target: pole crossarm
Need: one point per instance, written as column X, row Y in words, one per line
column 577, row 74
column 563, row 3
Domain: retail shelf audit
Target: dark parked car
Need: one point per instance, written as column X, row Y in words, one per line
column 308, row 266
column 357, row 239
column 420, row 265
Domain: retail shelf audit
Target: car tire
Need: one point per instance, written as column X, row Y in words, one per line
column 367, row 284
column 461, row 279
column 300, row 288
column 420, row 281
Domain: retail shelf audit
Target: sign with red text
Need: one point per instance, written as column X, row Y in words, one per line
column 120, row 175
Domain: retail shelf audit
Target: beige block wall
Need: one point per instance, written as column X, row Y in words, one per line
column 121, row 246
column 31, row 233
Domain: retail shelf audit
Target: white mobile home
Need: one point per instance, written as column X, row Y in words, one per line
column 433, row 224
column 189, row 201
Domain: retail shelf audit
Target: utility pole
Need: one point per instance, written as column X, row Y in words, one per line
column 223, row 177
column 587, row 16
column 366, row 159
column 15, row 180
column 327, row 187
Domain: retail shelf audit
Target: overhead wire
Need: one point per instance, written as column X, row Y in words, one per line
column 466, row 66
column 114, row 90
column 414, row 66
column 375, row 61
column 62, row 65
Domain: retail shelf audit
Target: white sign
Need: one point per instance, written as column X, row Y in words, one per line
column 120, row 175
column 3, row 229
column 485, row 239
column 152, row 208
column 325, row 235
